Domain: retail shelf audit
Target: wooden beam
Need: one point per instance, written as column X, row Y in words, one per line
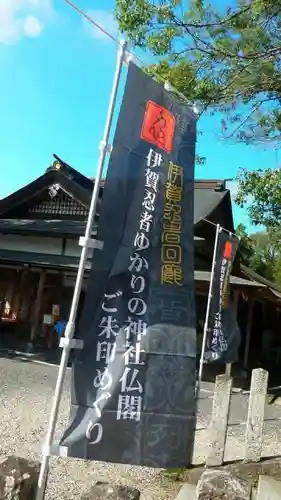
column 38, row 304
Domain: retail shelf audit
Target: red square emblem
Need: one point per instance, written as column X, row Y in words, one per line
column 158, row 126
column 227, row 250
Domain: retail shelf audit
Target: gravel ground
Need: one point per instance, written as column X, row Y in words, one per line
column 25, row 396
column 26, row 393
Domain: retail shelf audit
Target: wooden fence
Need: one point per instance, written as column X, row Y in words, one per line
column 225, row 441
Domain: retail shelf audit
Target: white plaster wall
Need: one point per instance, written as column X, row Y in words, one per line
column 36, row 244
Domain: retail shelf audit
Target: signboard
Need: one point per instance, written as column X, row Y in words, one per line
column 47, row 319
column 134, row 381
column 55, row 310
column 223, row 335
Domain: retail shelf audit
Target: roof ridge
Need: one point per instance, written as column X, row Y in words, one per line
column 254, row 275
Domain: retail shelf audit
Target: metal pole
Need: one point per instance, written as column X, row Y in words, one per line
column 69, row 331
column 207, row 312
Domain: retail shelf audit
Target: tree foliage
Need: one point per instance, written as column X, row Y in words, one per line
column 261, row 252
column 225, row 58
column 245, row 249
column 262, row 188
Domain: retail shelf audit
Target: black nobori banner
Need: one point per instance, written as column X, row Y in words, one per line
column 223, row 336
column 133, row 383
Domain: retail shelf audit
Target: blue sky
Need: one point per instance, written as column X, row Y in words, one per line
column 56, row 76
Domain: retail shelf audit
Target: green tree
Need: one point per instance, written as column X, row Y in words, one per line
column 261, row 190
column 264, row 255
column 225, row 58
column 246, row 248
column 261, row 252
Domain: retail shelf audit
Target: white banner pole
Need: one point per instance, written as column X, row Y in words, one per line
column 69, row 331
column 204, row 340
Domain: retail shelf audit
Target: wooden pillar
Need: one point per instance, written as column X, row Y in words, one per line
column 6, row 287
column 14, row 298
column 11, row 291
column 59, row 291
column 22, row 292
column 17, row 306
column 3, row 296
column 248, row 331
column 236, row 297
column 28, row 297
column 38, row 304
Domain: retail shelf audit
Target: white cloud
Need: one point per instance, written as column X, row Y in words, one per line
column 19, row 18
column 32, row 26
column 105, row 19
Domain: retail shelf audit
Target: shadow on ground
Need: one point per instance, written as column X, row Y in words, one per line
column 51, row 356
